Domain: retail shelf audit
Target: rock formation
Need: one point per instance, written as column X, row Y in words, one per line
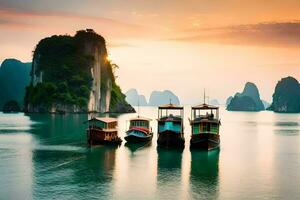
column 73, row 74
column 135, row 99
column 286, row 97
column 14, row 77
column 164, row 97
column 248, row 100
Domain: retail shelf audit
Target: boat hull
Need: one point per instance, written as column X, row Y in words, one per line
column 97, row 137
column 205, row 141
column 170, row 139
column 136, row 139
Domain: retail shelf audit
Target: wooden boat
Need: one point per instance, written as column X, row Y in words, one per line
column 139, row 130
column 170, row 126
column 205, row 127
column 103, row 131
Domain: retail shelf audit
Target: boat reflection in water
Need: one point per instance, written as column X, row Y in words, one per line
column 204, row 174
column 169, row 173
column 133, row 147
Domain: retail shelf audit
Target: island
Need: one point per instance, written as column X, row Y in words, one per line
column 163, row 97
column 135, row 99
column 286, row 98
column 73, row 74
column 14, row 78
column 248, row 100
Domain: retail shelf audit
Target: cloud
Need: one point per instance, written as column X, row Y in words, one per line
column 278, row 34
column 44, row 21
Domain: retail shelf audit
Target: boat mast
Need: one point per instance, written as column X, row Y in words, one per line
column 204, row 96
column 138, row 107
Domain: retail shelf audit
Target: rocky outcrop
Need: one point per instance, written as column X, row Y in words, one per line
column 286, row 98
column 165, row 97
column 75, row 74
column 248, row 100
column 228, row 100
column 14, row 77
column 135, row 99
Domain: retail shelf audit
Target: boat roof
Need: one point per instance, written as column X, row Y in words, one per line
column 104, row 119
column 199, row 120
column 204, row 106
column 170, row 107
column 139, row 118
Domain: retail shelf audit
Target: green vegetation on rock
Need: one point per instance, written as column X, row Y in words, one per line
column 64, row 76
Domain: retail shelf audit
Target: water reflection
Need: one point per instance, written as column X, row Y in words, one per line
column 284, row 127
column 204, row 174
column 59, row 129
column 133, row 147
column 72, row 173
column 285, row 132
column 169, row 180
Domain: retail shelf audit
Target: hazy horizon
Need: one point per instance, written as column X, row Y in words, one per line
column 180, row 46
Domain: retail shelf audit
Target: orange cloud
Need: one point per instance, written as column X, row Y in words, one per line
column 277, row 34
column 65, row 22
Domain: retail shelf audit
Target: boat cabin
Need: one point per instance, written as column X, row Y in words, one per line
column 140, row 122
column 170, row 118
column 205, row 119
column 103, row 123
column 105, row 127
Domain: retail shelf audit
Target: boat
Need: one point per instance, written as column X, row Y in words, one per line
column 103, row 131
column 205, row 124
column 170, row 126
column 139, row 130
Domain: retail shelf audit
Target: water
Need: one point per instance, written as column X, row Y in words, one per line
column 46, row 157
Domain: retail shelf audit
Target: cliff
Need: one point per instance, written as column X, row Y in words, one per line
column 164, row 97
column 248, row 100
column 134, row 98
column 286, row 98
column 73, row 74
column 14, row 77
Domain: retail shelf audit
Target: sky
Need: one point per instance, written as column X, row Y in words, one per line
column 182, row 46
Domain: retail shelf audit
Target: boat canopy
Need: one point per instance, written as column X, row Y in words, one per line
column 170, row 110
column 106, row 120
column 139, row 118
column 204, row 107
column 170, row 107
column 205, row 111
column 103, row 122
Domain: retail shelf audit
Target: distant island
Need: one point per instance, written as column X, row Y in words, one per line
column 73, row 74
column 286, row 98
column 214, row 102
column 14, row 78
column 248, row 100
column 163, row 97
column 156, row 98
column 134, row 98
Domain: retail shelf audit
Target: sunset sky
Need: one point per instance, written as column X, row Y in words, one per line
column 183, row 46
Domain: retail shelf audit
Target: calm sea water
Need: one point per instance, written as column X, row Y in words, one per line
column 46, row 157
